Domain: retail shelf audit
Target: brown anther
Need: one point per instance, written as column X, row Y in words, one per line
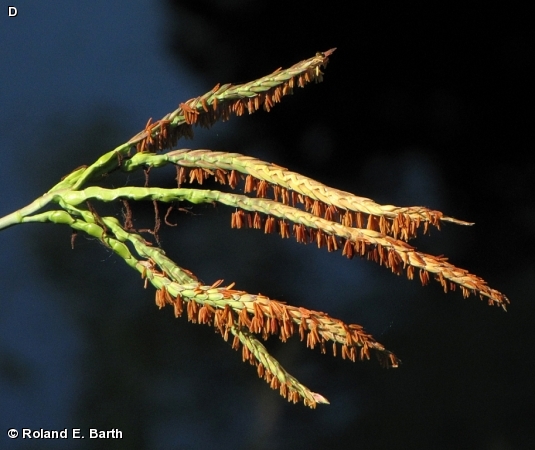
column 178, row 306
column 348, row 249
column 269, row 226
column 261, row 189
column 192, row 309
column 257, row 221
column 233, row 179
column 284, row 229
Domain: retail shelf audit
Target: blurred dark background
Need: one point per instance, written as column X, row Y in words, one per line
column 421, row 105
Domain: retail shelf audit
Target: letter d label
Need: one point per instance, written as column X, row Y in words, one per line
column 12, row 11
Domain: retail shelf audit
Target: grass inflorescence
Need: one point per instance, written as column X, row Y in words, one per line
column 275, row 200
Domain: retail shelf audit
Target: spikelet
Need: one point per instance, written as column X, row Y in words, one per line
column 267, row 180
column 375, row 246
column 243, row 315
column 226, row 100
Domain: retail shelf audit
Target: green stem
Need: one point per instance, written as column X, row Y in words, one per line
column 18, row 216
column 105, row 164
column 89, row 227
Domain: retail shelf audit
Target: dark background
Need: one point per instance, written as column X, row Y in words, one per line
column 421, row 105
